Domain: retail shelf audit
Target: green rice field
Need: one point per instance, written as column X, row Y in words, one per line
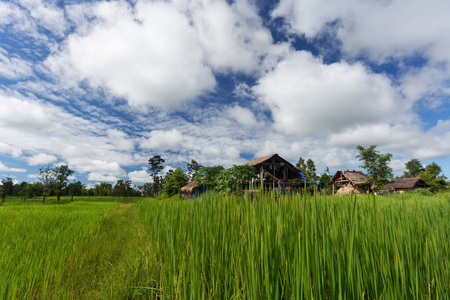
column 224, row 247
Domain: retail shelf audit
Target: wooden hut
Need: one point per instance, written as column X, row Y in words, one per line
column 349, row 182
column 402, row 185
column 275, row 171
column 192, row 190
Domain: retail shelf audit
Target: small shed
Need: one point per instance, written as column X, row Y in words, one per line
column 349, row 182
column 278, row 170
column 402, row 185
column 192, row 190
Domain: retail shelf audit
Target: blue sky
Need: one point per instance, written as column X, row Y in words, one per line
column 104, row 85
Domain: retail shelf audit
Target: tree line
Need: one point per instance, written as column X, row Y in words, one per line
column 55, row 181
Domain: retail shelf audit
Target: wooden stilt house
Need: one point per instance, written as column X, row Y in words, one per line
column 276, row 172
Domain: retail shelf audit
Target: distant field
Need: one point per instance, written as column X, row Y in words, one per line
column 395, row 247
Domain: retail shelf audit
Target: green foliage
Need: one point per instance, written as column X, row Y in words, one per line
column 193, row 168
column 431, row 176
column 413, row 168
column 235, row 178
column 207, row 176
column 173, row 182
column 420, row 191
column 122, row 188
column 311, row 169
column 61, row 175
column 47, row 178
column 6, row 188
column 156, row 165
column 375, row 164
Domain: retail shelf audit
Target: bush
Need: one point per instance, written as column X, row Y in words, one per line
column 423, row 192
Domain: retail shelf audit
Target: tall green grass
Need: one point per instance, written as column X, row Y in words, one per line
column 313, row 247
column 40, row 247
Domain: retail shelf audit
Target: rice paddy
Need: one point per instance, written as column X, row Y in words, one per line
column 223, row 247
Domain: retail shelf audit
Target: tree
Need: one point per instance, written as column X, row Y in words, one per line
column 174, row 181
column 301, row 165
column 431, row 176
column 324, row 179
column 375, row 164
column 207, row 176
column 47, row 178
column 147, row 189
column 156, row 166
column 413, row 168
column 122, row 188
column 6, row 188
column 75, row 189
column 61, row 175
column 102, row 189
column 311, row 169
column 193, row 168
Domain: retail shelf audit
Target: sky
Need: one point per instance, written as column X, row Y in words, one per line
column 102, row 86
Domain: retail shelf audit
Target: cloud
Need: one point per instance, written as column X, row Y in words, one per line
column 308, row 97
column 163, row 140
column 139, row 176
column 94, row 176
column 4, row 168
column 149, row 55
column 14, row 68
column 243, row 116
column 34, row 127
column 8, row 149
column 41, row 159
column 232, row 36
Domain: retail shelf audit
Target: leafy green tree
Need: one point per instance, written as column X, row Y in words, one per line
column 375, row 164
column 311, row 169
column 47, row 178
column 413, row 168
column 6, row 188
column 24, row 191
column 174, row 181
column 122, row 188
column 431, row 176
column 147, row 189
column 102, row 189
column 209, row 176
column 75, row 189
column 301, row 165
column 193, row 168
column 324, row 179
column 61, row 175
column 156, row 166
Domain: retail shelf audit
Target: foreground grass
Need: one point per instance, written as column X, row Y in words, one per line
column 222, row 247
column 326, row 248
column 78, row 250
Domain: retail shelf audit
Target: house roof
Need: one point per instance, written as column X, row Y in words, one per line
column 406, row 183
column 275, row 160
column 189, row 188
column 355, row 177
column 259, row 160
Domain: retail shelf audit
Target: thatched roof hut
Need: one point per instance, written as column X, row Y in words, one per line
column 402, row 185
column 191, row 190
column 349, row 182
